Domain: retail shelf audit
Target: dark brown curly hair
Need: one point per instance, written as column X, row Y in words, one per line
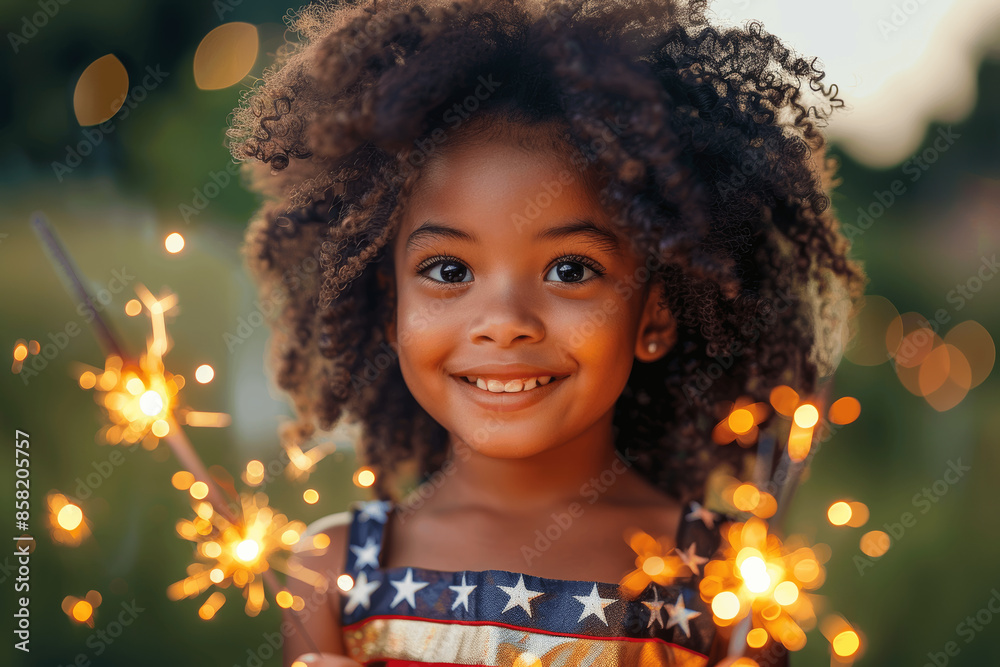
column 717, row 168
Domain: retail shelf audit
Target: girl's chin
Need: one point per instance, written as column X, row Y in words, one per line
column 504, row 446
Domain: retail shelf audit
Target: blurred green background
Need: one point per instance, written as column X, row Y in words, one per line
column 114, row 210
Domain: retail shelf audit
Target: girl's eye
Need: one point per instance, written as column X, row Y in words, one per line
column 450, row 269
column 571, row 269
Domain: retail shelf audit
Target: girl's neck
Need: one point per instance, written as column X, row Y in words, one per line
column 584, row 468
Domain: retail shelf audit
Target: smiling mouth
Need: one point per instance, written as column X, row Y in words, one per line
column 511, row 386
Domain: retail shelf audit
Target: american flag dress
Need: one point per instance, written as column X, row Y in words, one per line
column 405, row 616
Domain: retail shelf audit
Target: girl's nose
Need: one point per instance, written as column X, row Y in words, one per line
column 506, row 313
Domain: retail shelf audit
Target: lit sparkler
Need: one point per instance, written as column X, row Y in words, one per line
column 760, row 585
column 762, row 579
column 243, row 553
column 141, row 401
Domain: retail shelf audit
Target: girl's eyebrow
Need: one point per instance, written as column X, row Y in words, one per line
column 601, row 237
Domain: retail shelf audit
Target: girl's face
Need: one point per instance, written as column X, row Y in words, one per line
column 508, row 268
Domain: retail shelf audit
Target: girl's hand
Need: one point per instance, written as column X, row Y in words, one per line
column 324, row 660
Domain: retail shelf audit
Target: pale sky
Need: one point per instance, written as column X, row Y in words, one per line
column 899, row 64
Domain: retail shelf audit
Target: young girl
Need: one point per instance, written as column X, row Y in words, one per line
column 552, row 243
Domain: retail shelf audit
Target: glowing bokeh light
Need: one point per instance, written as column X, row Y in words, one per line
column 151, row 403
column 806, row 570
column 133, row 307
column 945, row 364
column 754, row 573
column 365, row 477
column 839, row 513
column 726, row 605
column 653, row 565
column 69, row 517
column 786, row 593
column 845, row 410
column 918, row 341
column 225, row 55
column 859, row 514
column 100, row 91
column 182, row 480
column 741, row 421
column 87, row 380
column 846, row 643
column 756, row 638
column 806, row 415
column 784, row 399
column 976, row 345
column 875, row 543
column 247, row 550
column 746, row 497
column 204, row 374
column 82, row 611
column 174, row 243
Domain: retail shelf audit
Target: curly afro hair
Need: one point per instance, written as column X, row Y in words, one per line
column 717, row 169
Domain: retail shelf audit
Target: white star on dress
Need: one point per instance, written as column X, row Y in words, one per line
column 679, row 615
column 594, row 604
column 519, row 596
column 367, row 555
column 373, row 510
column 690, row 558
column 361, row 592
column 655, row 607
column 406, row 588
column 463, row 594
column 707, row 516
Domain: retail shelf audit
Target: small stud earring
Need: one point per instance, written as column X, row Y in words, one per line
column 651, row 347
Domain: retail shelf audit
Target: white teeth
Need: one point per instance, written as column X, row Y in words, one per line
column 514, row 385
column 511, row 386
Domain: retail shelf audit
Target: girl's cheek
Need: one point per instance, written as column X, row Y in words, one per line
column 425, row 314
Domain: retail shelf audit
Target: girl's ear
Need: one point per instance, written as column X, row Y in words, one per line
column 657, row 331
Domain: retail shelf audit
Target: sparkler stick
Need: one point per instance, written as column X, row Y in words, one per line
column 66, row 269
column 793, row 465
column 176, row 438
column 190, row 461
